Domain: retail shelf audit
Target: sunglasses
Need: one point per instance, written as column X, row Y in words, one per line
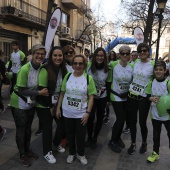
column 76, row 63
column 37, row 53
column 69, row 52
column 142, row 51
column 122, row 53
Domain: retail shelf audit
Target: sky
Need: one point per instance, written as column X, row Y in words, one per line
column 109, row 7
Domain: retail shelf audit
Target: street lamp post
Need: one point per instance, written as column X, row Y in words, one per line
column 160, row 10
column 109, row 45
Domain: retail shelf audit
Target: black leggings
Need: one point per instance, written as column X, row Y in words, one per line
column 23, row 121
column 120, row 111
column 46, row 120
column 98, row 109
column 142, row 106
column 157, row 131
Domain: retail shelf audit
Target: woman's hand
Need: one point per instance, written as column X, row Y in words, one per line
column 85, row 119
column 58, row 113
column 154, row 99
column 43, row 92
column 52, row 111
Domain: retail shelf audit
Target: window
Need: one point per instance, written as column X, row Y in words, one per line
column 65, row 19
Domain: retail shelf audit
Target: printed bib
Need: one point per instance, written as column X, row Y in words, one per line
column 137, row 89
column 54, row 99
column 123, row 87
column 74, row 102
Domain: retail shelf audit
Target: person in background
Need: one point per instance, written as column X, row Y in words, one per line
column 99, row 70
column 134, row 56
column 87, row 53
column 112, row 57
column 137, row 99
column 2, row 72
column 156, row 88
column 68, row 52
column 91, row 57
column 29, row 55
column 17, row 59
column 50, row 77
column 1, row 104
column 23, row 101
column 167, row 68
column 76, row 99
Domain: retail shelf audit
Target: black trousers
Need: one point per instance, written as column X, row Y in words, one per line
column 75, row 133
column 23, row 121
column 142, row 106
column 98, row 109
column 60, row 132
column 46, row 120
column 13, row 82
column 157, row 125
column 120, row 111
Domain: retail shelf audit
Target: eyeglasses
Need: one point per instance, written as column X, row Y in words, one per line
column 142, row 51
column 69, row 52
column 42, row 54
column 122, row 53
column 76, row 63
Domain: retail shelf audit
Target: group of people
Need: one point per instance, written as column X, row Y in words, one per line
column 73, row 91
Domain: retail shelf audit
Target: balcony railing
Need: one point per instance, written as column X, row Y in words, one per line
column 23, row 10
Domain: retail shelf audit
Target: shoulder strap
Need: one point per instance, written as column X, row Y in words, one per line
column 87, row 79
column 167, row 85
column 68, row 76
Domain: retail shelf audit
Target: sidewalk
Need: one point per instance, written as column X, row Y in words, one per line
column 100, row 159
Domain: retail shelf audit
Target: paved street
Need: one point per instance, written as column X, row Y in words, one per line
column 100, row 159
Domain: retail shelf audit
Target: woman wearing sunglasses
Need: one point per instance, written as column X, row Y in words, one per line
column 76, row 99
column 138, row 102
column 68, row 52
column 99, row 70
column 121, row 79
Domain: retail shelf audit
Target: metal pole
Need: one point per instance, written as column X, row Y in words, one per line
column 159, row 33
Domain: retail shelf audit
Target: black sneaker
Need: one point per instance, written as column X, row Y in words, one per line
column 106, row 120
column 32, row 155
column 38, row 132
column 2, row 111
column 132, row 149
column 88, row 142
column 143, row 148
column 126, row 130
column 25, row 161
column 2, row 134
column 121, row 143
column 93, row 144
column 114, row 147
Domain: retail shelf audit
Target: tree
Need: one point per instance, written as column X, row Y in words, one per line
column 140, row 13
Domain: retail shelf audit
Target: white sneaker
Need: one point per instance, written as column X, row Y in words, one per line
column 60, row 149
column 50, row 158
column 82, row 159
column 70, row 158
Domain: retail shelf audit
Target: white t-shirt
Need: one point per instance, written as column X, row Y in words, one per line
column 122, row 77
column 142, row 74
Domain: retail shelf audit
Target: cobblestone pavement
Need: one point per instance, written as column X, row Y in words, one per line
column 100, row 159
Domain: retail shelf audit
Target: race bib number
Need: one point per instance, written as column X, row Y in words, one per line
column 74, row 103
column 123, row 87
column 138, row 89
column 54, row 99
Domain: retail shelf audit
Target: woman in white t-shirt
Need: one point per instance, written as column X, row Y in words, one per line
column 99, row 70
column 76, row 98
column 138, row 101
column 121, row 79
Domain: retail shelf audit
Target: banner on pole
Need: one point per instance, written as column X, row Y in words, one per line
column 138, row 34
column 51, row 30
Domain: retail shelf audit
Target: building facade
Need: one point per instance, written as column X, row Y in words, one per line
column 25, row 21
